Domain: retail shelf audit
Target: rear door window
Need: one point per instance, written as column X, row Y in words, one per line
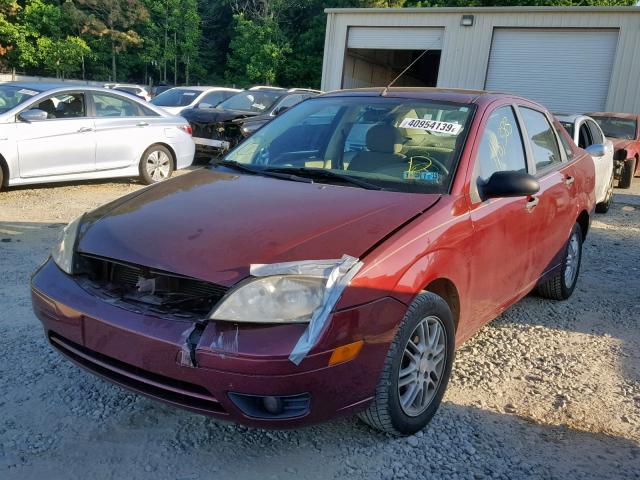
column 112, row 106
column 546, row 151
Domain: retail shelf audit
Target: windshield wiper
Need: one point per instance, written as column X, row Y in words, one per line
column 241, row 167
column 319, row 174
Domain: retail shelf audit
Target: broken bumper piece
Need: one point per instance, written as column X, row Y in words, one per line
column 238, row 372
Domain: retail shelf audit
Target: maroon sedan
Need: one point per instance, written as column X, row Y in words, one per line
column 330, row 263
column 624, row 130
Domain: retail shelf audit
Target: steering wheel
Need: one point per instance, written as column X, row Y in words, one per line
column 432, row 162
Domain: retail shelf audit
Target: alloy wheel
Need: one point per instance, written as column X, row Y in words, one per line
column 158, row 165
column 422, row 365
column 573, row 260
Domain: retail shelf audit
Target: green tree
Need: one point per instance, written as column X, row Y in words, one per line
column 112, row 20
column 62, row 57
column 256, row 51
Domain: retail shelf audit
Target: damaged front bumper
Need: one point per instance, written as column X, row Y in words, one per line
column 218, row 368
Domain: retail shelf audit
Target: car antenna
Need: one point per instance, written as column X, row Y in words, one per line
column 386, row 89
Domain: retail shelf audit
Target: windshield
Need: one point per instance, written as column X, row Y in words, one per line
column 176, row 97
column 132, row 90
column 251, row 101
column 395, row 144
column 568, row 126
column 12, row 96
column 617, row 127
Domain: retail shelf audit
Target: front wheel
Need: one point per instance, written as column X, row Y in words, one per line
column 628, row 170
column 156, row 164
column 603, row 207
column 563, row 282
column 416, row 370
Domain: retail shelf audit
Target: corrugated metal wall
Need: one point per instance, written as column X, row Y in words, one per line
column 465, row 51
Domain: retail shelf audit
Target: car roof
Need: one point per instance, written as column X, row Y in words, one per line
column 42, row 86
column 204, row 88
column 569, row 117
column 629, row 116
column 457, row 95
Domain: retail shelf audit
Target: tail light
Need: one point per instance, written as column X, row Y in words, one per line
column 186, row 129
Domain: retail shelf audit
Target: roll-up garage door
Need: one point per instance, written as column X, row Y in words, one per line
column 395, row 38
column 566, row 70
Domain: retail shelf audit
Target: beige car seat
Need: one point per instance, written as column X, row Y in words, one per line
column 383, row 143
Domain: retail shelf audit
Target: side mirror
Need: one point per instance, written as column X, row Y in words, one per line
column 204, row 105
column 509, row 184
column 596, row 150
column 33, row 115
column 279, row 110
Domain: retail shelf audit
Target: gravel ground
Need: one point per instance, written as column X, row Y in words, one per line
column 548, row 390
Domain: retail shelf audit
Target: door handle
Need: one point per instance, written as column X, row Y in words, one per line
column 531, row 203
column 85, row 129
column 569, row 180
column 141, row 124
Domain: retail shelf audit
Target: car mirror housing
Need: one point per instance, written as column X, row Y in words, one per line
column 33, row 115
column 596, row 150
column 510, row 184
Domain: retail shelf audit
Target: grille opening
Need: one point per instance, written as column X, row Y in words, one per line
column 185, row 394
column 146, row 290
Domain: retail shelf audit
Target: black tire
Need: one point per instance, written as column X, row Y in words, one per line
column 1, row 177
column 626, row 177
column 603, row 207
column 385, row 413
column 164, row 156
column 557, row 287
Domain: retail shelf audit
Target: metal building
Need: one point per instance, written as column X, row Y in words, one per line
column 571, row 59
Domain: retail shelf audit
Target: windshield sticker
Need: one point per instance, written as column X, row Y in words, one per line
column 25, row 91
column 424, row 175
column 431, row 126
column 189, row 94
column 259, row 106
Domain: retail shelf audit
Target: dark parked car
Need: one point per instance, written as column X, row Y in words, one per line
column 307, row 275
column 624, row 130
column 217, row 129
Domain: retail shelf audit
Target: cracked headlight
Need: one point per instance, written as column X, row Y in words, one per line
column 63, row 251
column 273, row 299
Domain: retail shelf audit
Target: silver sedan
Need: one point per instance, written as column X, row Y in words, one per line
column 54, row 133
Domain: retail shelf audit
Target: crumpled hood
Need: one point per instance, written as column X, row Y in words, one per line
column 619, row 143
column 213, row 115
column 213, row 225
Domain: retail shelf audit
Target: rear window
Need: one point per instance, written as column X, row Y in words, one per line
column 176, row 97
column 617, row 127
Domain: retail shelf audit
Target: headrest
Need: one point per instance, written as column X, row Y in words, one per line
column 47, row 105
column 75, row 106
column 384, row 138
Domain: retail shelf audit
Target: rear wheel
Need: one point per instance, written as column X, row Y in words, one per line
column 1, row 178
column 156, row 164
column 563, row 282
column 626, row 177
column 603, row 207
column 416, row 370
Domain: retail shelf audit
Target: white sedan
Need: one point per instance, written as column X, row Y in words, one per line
column 177, row 99
column 588, row 135
column 54, row 133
